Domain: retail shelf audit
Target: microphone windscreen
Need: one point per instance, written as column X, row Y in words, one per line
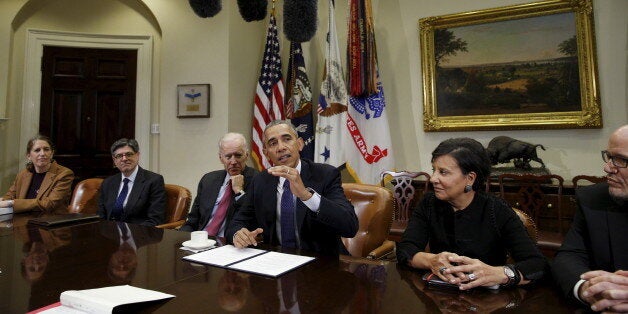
column 206, row 8
column 253, row 10
column 299, row 19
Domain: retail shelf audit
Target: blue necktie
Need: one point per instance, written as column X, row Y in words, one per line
column 118, row 207
column 288, row 235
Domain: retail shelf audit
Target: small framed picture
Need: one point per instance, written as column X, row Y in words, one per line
column 193, row 101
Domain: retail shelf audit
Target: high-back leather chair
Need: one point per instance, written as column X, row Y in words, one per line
column 405, row 195
column 532, row 200
column 177, row 206
column 374, row 206
column 589, row 179
column 85, row 196
column 529, row 224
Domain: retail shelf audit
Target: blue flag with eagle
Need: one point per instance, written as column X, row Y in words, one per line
column 299, row 99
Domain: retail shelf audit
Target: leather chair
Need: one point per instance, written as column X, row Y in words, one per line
column 85, row 196
column 529, row 224
column 177, row 206
column 374, row 207
column 589, row 179
column 405, row 195
column 532, row 200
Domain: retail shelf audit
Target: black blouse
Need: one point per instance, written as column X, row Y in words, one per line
column 36, row 181
column 488, row 230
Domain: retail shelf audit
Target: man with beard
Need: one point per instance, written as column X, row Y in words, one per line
column 589, row 264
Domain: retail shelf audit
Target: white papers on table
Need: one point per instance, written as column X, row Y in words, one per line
column 104, row 300
column 250, row 260
column 271, row 263
column 6, row 210
column 223, row 255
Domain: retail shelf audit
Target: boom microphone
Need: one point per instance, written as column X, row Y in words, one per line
column 299, row 19
column 206, row 8
column 253, row 10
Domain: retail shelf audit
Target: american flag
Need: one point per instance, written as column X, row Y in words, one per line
column 269, row 95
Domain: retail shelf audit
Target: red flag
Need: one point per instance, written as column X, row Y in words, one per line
column 269, row 95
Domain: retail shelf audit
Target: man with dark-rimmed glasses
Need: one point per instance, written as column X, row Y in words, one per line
column 134, row 195
column 592, row 264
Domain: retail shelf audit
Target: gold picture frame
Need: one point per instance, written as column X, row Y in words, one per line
column 476, row 75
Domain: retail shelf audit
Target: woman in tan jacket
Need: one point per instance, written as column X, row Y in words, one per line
column 44, row 185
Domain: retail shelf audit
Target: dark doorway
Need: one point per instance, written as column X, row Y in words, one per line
column 87, row 103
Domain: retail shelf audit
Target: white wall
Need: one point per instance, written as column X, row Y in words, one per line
column 225, row 52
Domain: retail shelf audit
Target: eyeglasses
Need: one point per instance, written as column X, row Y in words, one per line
column 237, row 156
column 127, row 155
column 619, row 162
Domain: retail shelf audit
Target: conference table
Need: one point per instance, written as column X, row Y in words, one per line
column 38, row 263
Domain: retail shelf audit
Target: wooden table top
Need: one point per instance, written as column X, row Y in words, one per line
column 37, row 264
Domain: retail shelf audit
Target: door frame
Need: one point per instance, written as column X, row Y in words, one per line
column 31, row 95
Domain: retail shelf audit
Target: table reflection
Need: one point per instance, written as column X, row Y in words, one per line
column 301, row 291
column 478, row 300
column 233, row 290
column 128, row 238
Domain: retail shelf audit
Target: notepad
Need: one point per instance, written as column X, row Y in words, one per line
column 102, row 300
column 250, row 260
column 63, row 219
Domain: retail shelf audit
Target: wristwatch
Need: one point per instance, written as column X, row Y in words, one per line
column 513, row 276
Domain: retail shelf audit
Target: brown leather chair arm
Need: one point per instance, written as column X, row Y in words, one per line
column 383, row 251
column 172, row 225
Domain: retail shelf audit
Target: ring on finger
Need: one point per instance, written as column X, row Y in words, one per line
column 472, row 276
column 442, row 270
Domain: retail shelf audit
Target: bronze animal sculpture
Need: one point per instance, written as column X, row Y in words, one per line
column 503, row 149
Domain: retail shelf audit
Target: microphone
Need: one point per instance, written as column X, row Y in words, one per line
column 253, row 10
column 299, row 19
column 206, row 8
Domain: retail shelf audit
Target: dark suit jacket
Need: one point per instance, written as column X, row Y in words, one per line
column 146, row 204
column 596, row 240
column 54, row 193
column 207, row 192
column 317, row 232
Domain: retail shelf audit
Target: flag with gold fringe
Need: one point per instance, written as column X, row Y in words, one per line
column 299, row 99
column 332, row 102
column 369, row 151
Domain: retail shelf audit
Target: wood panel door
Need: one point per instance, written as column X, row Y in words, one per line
column 87, row 103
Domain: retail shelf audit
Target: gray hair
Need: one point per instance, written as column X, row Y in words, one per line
column 125, row 142
column 232, row 136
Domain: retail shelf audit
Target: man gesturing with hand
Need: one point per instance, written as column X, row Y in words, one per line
column 296, row 203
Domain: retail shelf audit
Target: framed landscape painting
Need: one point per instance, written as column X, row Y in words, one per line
column 529, row 66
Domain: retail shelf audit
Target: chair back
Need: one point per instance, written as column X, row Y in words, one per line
column 404, row 193
column 532, row 199
column 586, row 178
column 85, row 196
column 529, row 224
column 177, row 206
column 374, row 207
